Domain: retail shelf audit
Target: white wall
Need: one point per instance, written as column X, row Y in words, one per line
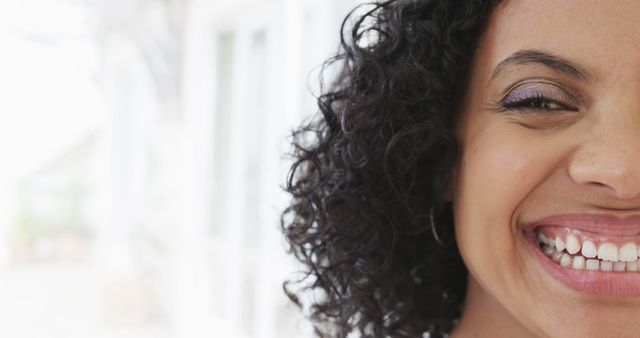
column 270, row 50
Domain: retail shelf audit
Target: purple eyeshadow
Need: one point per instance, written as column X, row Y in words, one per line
column 541, row 91
column 519, row 95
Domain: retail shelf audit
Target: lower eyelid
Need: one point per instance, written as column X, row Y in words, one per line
column 542, row 119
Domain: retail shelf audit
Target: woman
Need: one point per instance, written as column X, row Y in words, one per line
column 475, row 172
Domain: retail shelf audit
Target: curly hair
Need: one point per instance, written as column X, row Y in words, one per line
column 370, row 170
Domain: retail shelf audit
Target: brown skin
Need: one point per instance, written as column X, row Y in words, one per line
column 517, row 166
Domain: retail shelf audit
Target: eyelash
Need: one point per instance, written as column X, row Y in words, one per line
column 538, row 101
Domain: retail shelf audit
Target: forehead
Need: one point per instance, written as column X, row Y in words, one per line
column 602, row 35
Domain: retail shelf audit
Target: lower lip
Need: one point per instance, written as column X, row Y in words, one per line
column 594, row 282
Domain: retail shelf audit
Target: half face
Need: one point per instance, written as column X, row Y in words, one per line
column 547, row 187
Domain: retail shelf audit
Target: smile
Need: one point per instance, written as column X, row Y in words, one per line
column 589, row 253
column 571, row 249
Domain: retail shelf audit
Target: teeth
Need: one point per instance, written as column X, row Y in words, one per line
column 542, row 238
column 629, row 252
column 589, row 249
column 619, row 266
column 608, row 252
column 606, row 266
column 573, row 245
column 578, row 263
column 585, row 255
column 548, row 251
column 559, row 244
column 592, row 264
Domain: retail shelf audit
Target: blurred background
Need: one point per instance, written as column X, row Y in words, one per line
column 141, row 158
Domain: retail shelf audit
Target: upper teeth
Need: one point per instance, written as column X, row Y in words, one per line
column 628, row 252
column 608, row 252
column 589, row 249
column 587, row 252
column 573, row 245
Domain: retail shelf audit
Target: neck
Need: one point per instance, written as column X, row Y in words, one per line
column 483, row 316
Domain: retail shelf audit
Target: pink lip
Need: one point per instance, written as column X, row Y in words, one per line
column 593, row 282
column 609, row 225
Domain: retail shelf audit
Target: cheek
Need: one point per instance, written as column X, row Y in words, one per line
column 498, row 169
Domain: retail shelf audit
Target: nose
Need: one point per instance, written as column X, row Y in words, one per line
column 608, row 158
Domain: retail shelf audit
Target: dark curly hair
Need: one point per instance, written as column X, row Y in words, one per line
column 371, row 169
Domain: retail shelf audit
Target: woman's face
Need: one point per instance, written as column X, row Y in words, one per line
column 550, row 139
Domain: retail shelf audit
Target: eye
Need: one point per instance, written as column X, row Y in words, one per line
column 540, row 96
column 537, row 102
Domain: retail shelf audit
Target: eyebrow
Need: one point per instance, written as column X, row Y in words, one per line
column 533, row 56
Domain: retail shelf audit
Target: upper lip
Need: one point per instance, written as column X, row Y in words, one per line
column 604, row 224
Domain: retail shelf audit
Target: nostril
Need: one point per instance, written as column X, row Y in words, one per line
column 620, row 190
column 599, row 184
